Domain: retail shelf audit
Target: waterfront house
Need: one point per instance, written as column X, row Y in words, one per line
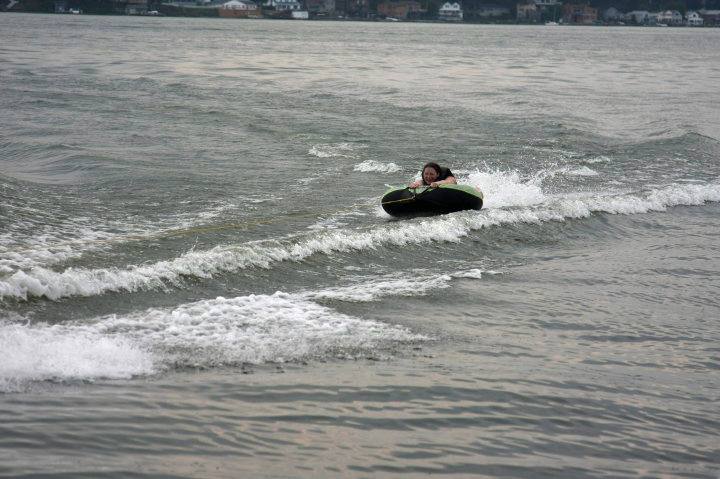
column 401, row 10
column 670, row 17
column 239, row 5
column 579, row 14
column 451, row 12
column 694, row 19
column 240, row 9
column 710, row 17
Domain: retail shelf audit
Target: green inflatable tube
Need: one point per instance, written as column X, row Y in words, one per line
column 428, row 201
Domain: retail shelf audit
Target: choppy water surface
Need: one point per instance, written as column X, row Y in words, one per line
column 569, row 329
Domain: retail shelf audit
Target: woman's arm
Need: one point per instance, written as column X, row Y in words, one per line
column 450, row 180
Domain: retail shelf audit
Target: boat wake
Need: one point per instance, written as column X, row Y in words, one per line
column 527, row 206
column 246, row 330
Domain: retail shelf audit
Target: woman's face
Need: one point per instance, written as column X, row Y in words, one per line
column 430, row 175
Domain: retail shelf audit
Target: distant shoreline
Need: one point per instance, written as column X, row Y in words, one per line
column 181, row 11
column 373, row 20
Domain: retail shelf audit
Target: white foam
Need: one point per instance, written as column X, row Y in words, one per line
column 89, row 235
column 260, row 328
column 599, row 159
column 253, row 329
column 660, row 199
column 408, row 283
column 474, row 273
column 524, row 204
column 506, row 189
column 332, row 150
column 369, row 166
column 582, row 171
column 41, row 282
column 545, row 174
column 44, row 352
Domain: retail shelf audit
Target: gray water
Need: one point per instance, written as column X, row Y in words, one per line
column 291, row 329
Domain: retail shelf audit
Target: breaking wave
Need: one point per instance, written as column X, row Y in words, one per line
column 368, row 166
column 508, row 202
column 253, row 329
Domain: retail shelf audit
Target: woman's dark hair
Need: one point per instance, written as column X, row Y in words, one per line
column 434, row 166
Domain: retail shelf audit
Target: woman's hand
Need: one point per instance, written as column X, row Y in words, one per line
column 450, row 180
column 415, row 184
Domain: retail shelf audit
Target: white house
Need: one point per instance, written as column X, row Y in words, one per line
column 694, row 19
column 670, row 17
column 451, row 11
column 239, row 5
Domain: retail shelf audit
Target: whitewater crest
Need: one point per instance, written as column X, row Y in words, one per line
column 41, row 352
column 335, row 150
column 523, row 203
column 372, row 166
column 254, row 329
column 398, row 284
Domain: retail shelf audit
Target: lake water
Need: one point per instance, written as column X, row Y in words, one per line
column 293, row 330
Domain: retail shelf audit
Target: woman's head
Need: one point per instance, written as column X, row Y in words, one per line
column 431, row 172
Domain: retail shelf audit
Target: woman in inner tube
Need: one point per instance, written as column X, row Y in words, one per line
column 434, row 175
